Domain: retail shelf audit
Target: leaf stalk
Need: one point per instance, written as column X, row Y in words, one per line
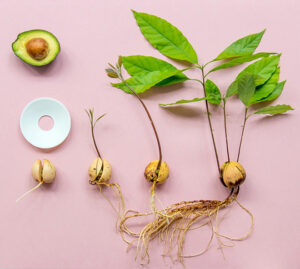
column 209, row 121
column 119, row 72
column 90, row 113
column 225, row 129
column 242, row 135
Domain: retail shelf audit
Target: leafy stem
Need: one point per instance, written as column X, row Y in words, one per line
column 209, row 120
column 243, row 130
column 90, row 114
column 118, row 72
column 225, row 128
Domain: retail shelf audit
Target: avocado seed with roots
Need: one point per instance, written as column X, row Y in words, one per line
column 37, row 48
column 42, row 172
column 100, row 172
column 155, row 174
column 232, row 174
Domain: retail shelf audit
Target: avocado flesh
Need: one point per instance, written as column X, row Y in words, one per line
column 19, row 46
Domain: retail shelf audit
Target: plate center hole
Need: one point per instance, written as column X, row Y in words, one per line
column 46, row 123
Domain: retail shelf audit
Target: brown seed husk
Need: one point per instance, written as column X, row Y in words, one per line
column 95, row 169
column 37, row 169
column 151, row 172
column 49, row 171
column 233, row 174
column 107, row 171
column 99, row 172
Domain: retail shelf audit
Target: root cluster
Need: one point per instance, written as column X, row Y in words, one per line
column 120, row 210
column 171, row 225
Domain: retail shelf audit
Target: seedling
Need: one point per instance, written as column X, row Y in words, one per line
column 257, row 83
column 100, row 170
column 156, row 171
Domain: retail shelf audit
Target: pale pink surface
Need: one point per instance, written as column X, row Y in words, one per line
column 69, row 224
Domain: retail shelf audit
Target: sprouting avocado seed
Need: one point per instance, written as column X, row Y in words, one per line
column 151, row 173
column 43, row 172
column 37, row 48
column 100, row 173
column 233, row 174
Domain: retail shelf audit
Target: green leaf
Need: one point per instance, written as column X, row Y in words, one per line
column 120, row 61
column 99, row 118
column 111, row 73
column 242, row 47
column 241, row 60
column 246, row 88
column 173, row 80
column 183, row 101
column 266, row 89
column 143, row 82
column 276, row 92
column 142, row 65
column 165, row 37
column 212, row 92
column 232, row 89
column 139, row 64
column 272, row 110
column 147, row 72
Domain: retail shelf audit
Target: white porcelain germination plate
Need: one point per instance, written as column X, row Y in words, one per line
column 39, row 108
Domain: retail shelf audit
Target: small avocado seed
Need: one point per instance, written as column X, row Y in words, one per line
column 37, row 48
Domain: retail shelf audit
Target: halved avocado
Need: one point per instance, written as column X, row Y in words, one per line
column 36, row 47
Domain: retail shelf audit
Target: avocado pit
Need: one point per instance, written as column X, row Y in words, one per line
column 37, row 48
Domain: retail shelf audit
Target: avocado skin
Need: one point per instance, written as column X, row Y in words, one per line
column 20, row 51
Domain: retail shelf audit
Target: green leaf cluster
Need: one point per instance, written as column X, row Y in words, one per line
column 258, row 82
column 147, row 72
column 212, row 92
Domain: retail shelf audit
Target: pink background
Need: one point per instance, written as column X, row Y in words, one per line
column 69, row 224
